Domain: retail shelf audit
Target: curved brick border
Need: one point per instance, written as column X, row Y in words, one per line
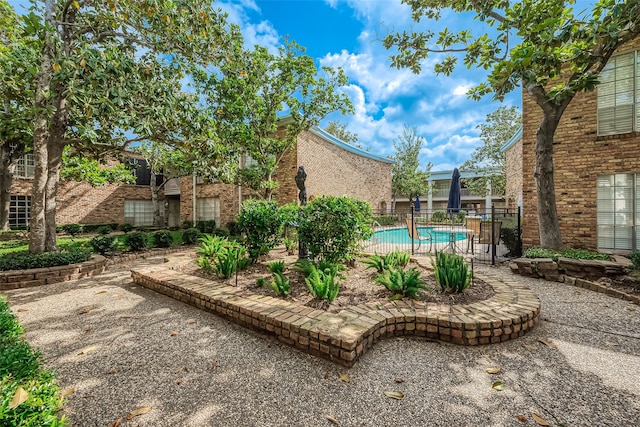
column 17, row 279
column 344, row 336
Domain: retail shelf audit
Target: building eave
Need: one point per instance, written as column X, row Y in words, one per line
column 512, row 141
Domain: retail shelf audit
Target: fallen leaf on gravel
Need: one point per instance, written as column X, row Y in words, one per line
column 87, row 330
column 399, row 381
column 116, row 423
column 394, row 395
column 605, row 305
column 173, row 333
column 333, row 420
column 213, row 366
column 22, row 310
column 498, row 386
column 522, row 418
column 345, row 378
column 178, row 382
column 530, row 347
column 87, row 350
column 492, row 370
column 140, row 411
column 326, row 375
column 186, row 369
column 538, row 419
column 113, row 371
column 68, row 392
column 628, row 308
column 192, row 322
column 101, row 292
column 547, row 343
column 133, row 287
column 19, row 397
column 86, row 310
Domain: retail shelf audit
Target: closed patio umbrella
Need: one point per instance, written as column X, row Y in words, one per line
column 416, row 205
column 453, row 205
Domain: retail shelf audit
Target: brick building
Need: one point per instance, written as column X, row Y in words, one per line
column 512, row 150
column 596, row 161
column 334, row 168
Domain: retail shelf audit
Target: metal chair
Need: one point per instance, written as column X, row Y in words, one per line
column 413, row 233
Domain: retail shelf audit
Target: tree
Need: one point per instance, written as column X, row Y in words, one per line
column 107, row 70
column 544, row 45
column 487, row 160
column 339, row 130
column 406, row 177
column 248, row 99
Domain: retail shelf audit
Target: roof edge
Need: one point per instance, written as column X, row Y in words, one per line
column 348, row 147
column 512, row 141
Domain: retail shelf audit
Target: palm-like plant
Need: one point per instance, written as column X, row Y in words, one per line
column 323, row 284
column 399, row 281
column 451, row 272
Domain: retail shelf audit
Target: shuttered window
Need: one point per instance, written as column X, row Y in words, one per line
column 619, row 95
column 138, row 213
column 618, row 208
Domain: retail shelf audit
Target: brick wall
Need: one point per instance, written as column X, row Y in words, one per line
column 579, row 157
column 79, row 202
column 513, row 171
column 227, row 193
column 333, row 171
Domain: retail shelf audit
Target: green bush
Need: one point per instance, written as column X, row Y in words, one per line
column 104, row 230
column 289, row 214
column 187, row 224
column 386, row 219
column 232, row 226
column 584, row 254
column 390, row 260
column 452, row 272
column 103, row 244
column 72, row 229
column 335, row 227
column 460, row 217
column 231, row 258
column 211, row 246
column 94, row 228
column 162, row 239
column 322, row 284
column 137, row 241
column 20, row 367
column 399, row 281
column 635, row 259
column 206, row 226
column 512, row 240
column 23, row 260
column 281, row 284
column 126, row 227
column 221, row 232
column 439, row 216
column 261, row 223
column 191, row 236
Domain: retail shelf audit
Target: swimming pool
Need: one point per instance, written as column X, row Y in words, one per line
column 401, row 235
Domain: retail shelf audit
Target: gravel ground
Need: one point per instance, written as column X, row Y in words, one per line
column 121, row 347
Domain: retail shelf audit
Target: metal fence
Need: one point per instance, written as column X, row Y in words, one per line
column 486, row 236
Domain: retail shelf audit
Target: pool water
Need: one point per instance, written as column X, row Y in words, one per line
column 401, row 235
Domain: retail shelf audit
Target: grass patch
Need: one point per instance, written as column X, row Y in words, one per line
column 583, row 254
column 20, row 368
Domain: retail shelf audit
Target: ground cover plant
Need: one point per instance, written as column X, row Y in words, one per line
column 28, row 394
column 584, row 254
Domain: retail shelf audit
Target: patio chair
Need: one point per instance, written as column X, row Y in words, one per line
column 485, row 237
column 414, row 234
column 473, row 230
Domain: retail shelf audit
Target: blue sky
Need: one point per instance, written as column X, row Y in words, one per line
column 346, row 33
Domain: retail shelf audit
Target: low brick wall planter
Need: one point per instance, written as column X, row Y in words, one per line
column 575, row 272
column 345, row 336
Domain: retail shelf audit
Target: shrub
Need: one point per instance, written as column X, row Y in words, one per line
column 261, row 223
column 439, row 216
column 137, row 241
column 260, row 282
column 322, row 283
column 232, row 226
column 390, row 260
column 204, row 263
column 289, row 214
column 191, row 236
column 126, row 227
column 231, row 258
column 635, row 259
column 512, row 240
column 20, row 367
column 276, row 267
column 206, row 226
column 221, row 232
column 281, row 284
column 23, row 260
column 399, row 281
column 452, row 272
column 566, row 253
column 386, row 219
column 162, row 239
column 335, row 227
column 211, row 246
column 187, row 224
column 104, row 230
column 103, row 244
column 290, row 245
column 460, row 217
column 72, row 229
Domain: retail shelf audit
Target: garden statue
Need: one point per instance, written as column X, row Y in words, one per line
column 301, row 176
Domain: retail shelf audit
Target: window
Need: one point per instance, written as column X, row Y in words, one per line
column 143, row 173
column 19, row 209
column 618, row 211
column 619, row 95
column 208, row 208
column 25, row 167
column 138, row 212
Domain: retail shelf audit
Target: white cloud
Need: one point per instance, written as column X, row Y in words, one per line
column 461, row 90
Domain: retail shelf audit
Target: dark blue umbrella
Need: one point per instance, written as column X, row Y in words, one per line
column 417, row 204
column 453, row 205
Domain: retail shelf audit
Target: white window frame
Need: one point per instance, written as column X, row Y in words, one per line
column 19, row 208
column 619, row 95
column 139, row 213
column 618, row 203
column 207, row 209
column 25, row 167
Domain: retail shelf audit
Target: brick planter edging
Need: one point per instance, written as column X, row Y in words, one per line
column 17, row 279
column 345, row 336
column 548, row 269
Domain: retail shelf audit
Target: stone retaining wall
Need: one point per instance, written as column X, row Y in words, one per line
column 575, row 272
column 344, row 336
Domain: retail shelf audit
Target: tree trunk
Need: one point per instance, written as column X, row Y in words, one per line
column 548, row 223
column 154, row 200
column 53, row 178
column 6, row 180
column 40, row 137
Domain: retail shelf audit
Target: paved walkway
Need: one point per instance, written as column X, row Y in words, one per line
column 195, row 369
